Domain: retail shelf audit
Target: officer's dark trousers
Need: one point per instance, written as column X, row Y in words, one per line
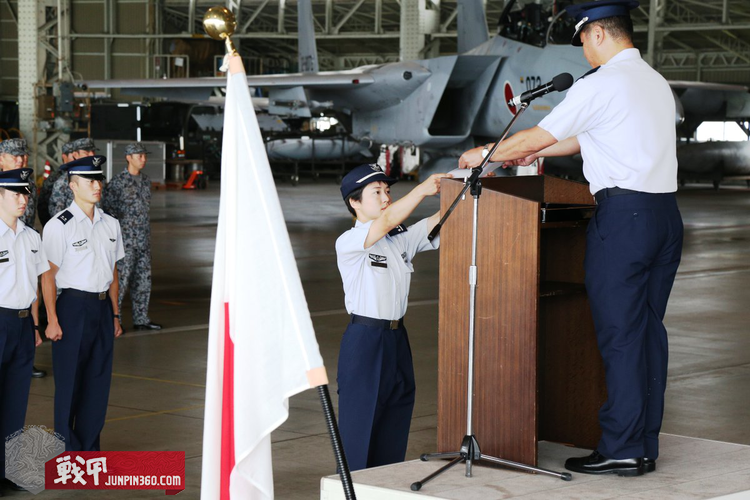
column 82, row 363
column 633, row 249
column 16, row 360
column 376, row 395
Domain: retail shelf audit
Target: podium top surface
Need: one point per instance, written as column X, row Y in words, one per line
column 539, row 189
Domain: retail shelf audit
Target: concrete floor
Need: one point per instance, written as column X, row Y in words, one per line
column 157, row 394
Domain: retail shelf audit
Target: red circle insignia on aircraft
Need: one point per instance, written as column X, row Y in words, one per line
column 508, row 93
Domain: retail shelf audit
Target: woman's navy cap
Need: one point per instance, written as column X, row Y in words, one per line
column 16, row 180
column 361, row 176
column 90, row 166
column 588, row 12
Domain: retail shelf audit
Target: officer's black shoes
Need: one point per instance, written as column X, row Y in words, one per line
column 149, row 326
column 649, row 465
column 597, row 463
column 37, row 373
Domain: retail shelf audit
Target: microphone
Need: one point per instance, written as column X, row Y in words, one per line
column 561, row 82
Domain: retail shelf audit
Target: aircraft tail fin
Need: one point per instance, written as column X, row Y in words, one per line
column 472, row 25
column 308, row 52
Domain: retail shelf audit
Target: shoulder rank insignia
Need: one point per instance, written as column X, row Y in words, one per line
column 589, row 72
column 3, row 253
column 397, row 230
column 65, row 216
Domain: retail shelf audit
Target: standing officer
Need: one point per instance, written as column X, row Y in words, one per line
column 375, row 370
column 620, row 117
column 62, row 196
column 127, row 197
column 45, row 192
column 22, row 260
column 82, row 244
column 14, row 154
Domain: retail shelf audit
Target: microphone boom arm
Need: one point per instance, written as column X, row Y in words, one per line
column 473, row 179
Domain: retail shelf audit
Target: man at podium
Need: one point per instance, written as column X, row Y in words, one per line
column 620, row 117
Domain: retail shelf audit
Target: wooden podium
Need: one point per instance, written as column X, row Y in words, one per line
column 538, row 372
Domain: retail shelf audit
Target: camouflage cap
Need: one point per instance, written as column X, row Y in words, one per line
column 85, row 144
column 136, row 149
column 69, row 147
column 15, row 147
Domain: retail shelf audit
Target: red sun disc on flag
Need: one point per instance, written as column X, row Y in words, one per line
column 508, row 93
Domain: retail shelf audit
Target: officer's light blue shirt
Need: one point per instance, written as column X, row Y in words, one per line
column 624, row 118
column 377, row 279
column 85, row 251
column 22, row 260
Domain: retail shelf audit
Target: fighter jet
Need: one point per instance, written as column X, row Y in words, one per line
column 447, row 104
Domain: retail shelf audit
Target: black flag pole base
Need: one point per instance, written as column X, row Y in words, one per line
column 471, row 454
column 338, row 450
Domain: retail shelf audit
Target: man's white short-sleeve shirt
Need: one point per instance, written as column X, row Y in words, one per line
column 86, row 251
column 377, row 279
column 22, row 260
column 624, row 118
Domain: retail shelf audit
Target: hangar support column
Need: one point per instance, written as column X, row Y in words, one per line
column 419, row 18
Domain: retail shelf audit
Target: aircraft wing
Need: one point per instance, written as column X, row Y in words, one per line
column 702, row 101
column 201, row 88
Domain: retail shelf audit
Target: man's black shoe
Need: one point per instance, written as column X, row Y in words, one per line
column 149, row 326
column 596, row 463
column 649, row 465
column 37, row 373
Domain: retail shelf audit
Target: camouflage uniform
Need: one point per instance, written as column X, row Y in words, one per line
column 18, row 147
column 128, row 198
column 62, row 196
column 43, row 205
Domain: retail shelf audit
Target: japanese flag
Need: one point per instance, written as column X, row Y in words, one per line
column 262, row 348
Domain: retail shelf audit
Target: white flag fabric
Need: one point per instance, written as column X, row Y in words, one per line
column 262, row 348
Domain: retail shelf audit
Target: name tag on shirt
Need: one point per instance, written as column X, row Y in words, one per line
column 378, row 260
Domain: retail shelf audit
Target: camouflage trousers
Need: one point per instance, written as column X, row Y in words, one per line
column 134, row 272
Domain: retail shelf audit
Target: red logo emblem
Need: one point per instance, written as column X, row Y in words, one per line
column 508, row 93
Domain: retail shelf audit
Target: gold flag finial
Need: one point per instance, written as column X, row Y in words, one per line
column 220, row 23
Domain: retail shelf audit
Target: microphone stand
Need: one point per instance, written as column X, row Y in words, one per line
column 469, row 451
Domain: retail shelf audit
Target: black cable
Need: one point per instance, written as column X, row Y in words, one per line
column 333, row 430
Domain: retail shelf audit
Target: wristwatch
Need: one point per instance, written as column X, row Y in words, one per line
column 485, row 151
column 117, row 316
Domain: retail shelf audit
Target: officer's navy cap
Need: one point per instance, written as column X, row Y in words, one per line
column 69, row 147
column 585, row 13
column 361, row 176
column 136, row 148
column 90, row 166
column 85, row 144
column 16, row 180
column 15, row 147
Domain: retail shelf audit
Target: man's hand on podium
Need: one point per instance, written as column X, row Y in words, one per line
column 521, row 162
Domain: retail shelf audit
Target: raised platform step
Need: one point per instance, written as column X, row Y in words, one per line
column 687, row 469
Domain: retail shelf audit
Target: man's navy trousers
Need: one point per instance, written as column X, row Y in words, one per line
column 82, row 363
column 633, row 249
column 376, row 395
column 16, row 361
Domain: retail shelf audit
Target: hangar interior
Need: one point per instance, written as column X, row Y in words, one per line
column 47, row 47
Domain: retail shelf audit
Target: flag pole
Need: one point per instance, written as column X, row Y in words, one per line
column 220, row 23
column 338, row 450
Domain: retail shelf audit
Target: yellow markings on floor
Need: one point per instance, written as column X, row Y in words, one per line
column 151, row 379
column 154, row 413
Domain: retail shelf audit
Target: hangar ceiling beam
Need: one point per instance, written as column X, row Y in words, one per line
column 347, row 16
column 191, row 17
column 378, row 16
column 253, row 16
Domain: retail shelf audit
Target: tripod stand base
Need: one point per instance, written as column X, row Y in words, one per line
column 470, row 453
